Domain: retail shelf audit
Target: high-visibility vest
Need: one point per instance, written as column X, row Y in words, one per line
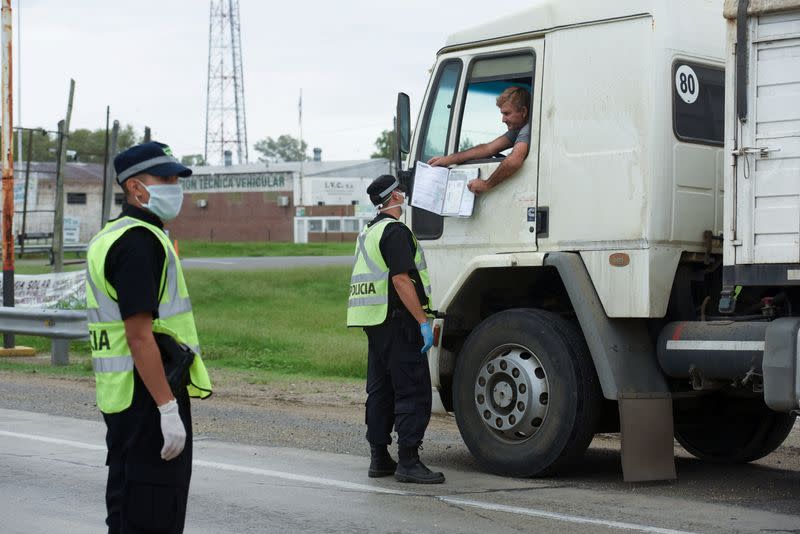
column 369, row 284
column 111, row 356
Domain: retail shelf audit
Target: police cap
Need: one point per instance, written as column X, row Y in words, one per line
column 382, row 186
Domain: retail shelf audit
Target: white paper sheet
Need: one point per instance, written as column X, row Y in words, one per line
column 430, row 184
column 444, row 191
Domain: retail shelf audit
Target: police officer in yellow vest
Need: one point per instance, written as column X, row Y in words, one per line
column 390, row 299
column 136, row 293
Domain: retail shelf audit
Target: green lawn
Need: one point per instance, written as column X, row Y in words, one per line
column 276, row 322
column 207, row 249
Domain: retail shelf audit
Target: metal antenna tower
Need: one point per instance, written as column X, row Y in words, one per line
column 226, row 122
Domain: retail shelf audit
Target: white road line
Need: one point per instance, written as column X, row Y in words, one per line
column 299, row 478
column 532, row 512
column 189, row 260
column 56, row 441
column 558, row 517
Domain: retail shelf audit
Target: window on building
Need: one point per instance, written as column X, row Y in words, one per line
column 698, row 103
column 351, row 225
column 315, row 225
column 76, row 198
column 119, row 199
column 334, row 225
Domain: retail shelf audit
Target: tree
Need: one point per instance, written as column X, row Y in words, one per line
column 385, row 145
column 88, row 145
column 193, row 160
column 284, row 148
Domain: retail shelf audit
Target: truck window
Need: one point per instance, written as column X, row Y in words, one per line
column 436, row 130
column 698, row 103
column 440, row 111
column 480, row 119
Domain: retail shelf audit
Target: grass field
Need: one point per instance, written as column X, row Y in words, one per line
column 206, row 249
column 276, row 322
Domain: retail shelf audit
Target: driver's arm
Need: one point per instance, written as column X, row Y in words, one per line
column 509, row 166
column 482, row 151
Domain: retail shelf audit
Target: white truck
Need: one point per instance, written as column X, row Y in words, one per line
column 641, row 272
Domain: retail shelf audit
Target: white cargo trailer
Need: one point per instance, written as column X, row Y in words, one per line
column 589, row 292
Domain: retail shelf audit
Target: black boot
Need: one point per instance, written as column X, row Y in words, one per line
column 380, row 463
column 411, row 469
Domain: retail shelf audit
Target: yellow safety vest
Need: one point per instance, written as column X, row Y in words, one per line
column 111, row 355
column 369, row 284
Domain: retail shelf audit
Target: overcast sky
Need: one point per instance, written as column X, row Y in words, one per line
column 148, row 60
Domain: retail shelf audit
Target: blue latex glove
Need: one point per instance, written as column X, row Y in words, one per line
column 427, row 336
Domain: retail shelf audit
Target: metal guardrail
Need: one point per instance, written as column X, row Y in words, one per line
column 59, row 325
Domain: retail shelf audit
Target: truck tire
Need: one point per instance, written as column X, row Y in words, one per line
column 525, row 393
column 732, row 431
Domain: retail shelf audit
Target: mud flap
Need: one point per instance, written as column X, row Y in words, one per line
column 647, row 436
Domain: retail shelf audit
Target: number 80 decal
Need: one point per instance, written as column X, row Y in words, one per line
column 686, row 84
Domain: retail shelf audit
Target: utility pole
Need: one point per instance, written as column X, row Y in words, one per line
column 108, row 179
column 8, row 167
column 58, row 221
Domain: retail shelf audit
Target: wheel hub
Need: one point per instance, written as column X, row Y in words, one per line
column 511, row 392
column 503, row 394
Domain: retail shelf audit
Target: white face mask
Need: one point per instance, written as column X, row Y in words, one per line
column 402, row 206
column 165, row 200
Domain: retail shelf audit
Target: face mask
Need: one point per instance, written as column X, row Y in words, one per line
column 402, row 206
column 165, row 200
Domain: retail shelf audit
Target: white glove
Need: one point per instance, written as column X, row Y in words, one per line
column 172, row 429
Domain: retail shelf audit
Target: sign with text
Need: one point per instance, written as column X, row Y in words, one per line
column 335, row 191
column 237, row 183
column 53, row 290
column 72, row 229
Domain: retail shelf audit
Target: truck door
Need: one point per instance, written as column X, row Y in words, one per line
column 768, row 160
column 461, row 112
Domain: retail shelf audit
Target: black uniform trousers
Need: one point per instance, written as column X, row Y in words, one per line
column 146, row 494
column 398, row 382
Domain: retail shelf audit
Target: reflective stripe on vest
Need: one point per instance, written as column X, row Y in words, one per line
column 111, row 356
column 368, row 303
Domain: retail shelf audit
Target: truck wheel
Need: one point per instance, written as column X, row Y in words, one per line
column 525, row 393
column 732, row 431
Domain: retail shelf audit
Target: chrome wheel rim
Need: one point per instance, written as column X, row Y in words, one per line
column 512, row 393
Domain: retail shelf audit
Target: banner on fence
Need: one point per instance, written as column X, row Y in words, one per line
column 53, row 290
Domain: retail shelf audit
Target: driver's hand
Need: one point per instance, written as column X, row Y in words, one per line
column 478, row 186
column 437, row 161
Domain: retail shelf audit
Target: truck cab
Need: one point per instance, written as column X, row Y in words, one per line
column 553, row 295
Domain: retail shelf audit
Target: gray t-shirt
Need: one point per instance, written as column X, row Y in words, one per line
column 523, row 135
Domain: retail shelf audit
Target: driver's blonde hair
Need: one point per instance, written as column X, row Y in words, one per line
column 519, row 97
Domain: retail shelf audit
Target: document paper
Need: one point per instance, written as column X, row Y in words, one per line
column 443, row 191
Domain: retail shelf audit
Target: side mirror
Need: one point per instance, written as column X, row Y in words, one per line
column 402, row 128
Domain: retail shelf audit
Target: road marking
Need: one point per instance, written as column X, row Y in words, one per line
column 189, row 260
column 532, row 512
column 55, row 441
column 558, row 517
column 299, row 478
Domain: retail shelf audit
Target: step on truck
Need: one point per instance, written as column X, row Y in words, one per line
column 640, row 273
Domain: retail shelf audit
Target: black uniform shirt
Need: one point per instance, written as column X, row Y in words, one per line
column 398, row 251
column 134, row 265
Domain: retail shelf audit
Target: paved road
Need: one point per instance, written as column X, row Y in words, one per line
column 53, row 478
column 265, row 262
